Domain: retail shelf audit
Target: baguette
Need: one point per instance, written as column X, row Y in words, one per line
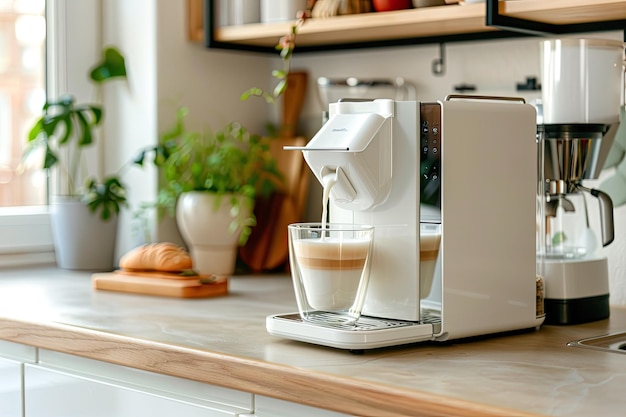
column 165, row 257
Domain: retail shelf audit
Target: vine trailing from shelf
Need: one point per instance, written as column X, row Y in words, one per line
column 286, row 46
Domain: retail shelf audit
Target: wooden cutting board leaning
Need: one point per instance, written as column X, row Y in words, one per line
column 267, row 248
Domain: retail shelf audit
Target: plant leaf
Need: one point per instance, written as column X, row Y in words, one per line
column 279, row 74
column 280, row 88
column 107, row 196
column 50, row 125
column 86, row 138
column 50, row 158
column 36, row 130
column 254, row 91
column 113, row 65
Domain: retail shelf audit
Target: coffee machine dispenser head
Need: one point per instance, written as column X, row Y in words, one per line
column 354, row 149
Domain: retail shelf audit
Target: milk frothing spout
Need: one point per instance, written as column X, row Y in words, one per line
column 355, row 146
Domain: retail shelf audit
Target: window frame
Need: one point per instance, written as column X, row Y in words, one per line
column 73, row 43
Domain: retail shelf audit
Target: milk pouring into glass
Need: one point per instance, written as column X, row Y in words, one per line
column 331, row 262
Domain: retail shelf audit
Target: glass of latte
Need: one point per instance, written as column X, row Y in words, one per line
column 330, row 267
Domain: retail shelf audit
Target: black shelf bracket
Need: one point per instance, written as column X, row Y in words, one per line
column 493, row 18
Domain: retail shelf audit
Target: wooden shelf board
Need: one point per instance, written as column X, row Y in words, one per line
column 431, row 21
column 426, row 22
column 565, row 11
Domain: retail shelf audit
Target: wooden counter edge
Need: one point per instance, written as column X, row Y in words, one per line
column 317, row 389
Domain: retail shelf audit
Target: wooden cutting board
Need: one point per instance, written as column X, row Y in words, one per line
column 268, row 249
column 161, row 284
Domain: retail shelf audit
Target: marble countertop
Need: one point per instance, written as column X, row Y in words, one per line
column 223, row 341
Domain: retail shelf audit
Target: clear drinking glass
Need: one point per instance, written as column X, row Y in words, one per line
column 330, row 267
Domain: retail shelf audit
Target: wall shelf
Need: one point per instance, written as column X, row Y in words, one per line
column 423, row 25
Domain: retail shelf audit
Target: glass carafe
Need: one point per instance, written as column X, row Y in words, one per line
column 567, row 228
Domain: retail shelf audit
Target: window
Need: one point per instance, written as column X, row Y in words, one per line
column 24, row 225
column 22, row 93
column 41, row 41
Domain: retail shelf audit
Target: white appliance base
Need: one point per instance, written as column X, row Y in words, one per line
column 369, row 333
column 576, row 291
column 576, row 278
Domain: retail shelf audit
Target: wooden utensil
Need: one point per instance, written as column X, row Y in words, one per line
column 267, row 247
column 293, row 100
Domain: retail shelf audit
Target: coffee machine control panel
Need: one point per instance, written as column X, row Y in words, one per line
column 430, row 162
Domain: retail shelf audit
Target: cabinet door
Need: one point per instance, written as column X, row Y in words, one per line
column 51, row 393
column 10, row 388
column 270, row 407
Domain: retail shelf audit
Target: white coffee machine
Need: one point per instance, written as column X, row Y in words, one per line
column 451, row 189
column 581, row 94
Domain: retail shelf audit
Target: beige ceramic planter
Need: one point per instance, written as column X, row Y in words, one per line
column 203, row 220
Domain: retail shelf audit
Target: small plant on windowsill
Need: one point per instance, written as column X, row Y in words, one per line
column 84, row 211
column 65, row 124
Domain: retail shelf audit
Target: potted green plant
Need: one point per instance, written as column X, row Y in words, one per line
column 210, row 181
column 84, row 214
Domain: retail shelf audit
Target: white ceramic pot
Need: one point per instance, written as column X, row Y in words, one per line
column 245, row 11
column 281, row 10
column 203, row 220
column 237, row 12
column 82, row 240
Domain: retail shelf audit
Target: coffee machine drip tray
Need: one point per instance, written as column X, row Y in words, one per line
column 368, row 333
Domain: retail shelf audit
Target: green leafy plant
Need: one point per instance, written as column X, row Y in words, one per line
column 113, row 66
column 231, row 161
column 286, row 46
column 108, row 196
column 66, row 124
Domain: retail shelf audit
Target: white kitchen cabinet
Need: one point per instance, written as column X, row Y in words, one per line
column 43, row 383
column 210, row 395
column 12, row 357
column 54, row 393
column 271, row 407
column 10, row 388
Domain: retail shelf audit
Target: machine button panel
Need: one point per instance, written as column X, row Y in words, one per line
column 430, row 156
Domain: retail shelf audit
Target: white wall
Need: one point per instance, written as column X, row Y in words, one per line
column 167, row 71
column 131, row 119
column 208, row 82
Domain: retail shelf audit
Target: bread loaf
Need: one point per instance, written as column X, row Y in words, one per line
column 165, row 257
